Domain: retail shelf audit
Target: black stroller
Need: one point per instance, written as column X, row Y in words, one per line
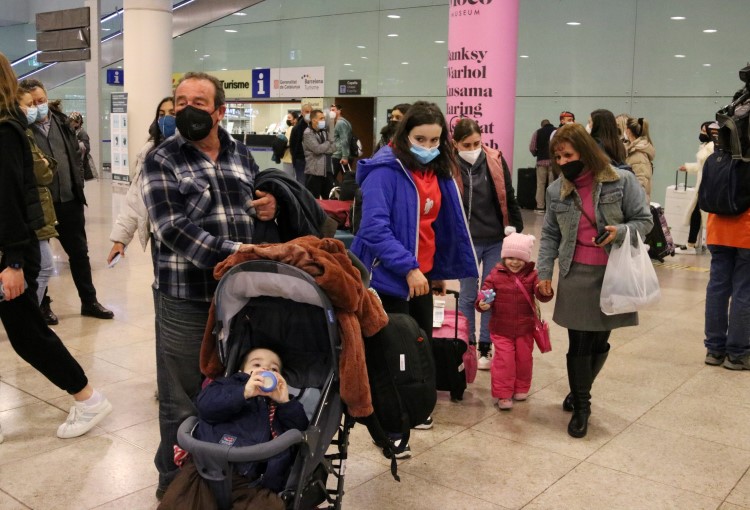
column 261, row 302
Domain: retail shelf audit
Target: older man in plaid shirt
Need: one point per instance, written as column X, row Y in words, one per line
column 199, row 190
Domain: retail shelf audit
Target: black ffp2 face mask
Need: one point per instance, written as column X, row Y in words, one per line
column 572, row 169
column 704, row 138
column 194, row 124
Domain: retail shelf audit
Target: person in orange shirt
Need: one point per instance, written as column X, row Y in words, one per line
column 727, row 325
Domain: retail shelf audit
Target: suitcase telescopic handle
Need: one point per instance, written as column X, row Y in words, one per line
column 677, row 179
column 455, row 294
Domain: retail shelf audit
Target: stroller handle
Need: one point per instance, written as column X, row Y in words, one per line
column 256, row 452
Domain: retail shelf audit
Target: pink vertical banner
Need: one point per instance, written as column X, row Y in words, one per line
column 482, row 58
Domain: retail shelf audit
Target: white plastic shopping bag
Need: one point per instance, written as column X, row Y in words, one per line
column 630, row 281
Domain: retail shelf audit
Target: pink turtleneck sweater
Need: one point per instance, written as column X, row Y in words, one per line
column 586, row 251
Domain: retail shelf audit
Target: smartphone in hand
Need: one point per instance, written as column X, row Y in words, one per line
column 601, row 236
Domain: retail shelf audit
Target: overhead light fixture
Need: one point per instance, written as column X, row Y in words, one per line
column 524, row 56
column 573, row 23
column 392, row 35
column 710, row 31
column 30, row 40
column 363, row 58
column 706, row 65
column 206, row 56
column 347, row 64
column 677, row 18
column 394, row 16
column 110, row 37
column 108, row 29
column 404, row 63
column 119, row 67
column 439, row 42
column 182, row 4
column 223, row 68
column 240, row 14
column 111, row 16
column 230, row 31
column 679, row 56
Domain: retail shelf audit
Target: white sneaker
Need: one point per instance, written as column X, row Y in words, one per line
column 426, row 425
column 688, row 250
column 83, row 418
column 484, row 363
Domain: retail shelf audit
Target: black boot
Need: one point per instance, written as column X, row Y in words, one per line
column 597, row 362
column 580, row 377
column 49, row 316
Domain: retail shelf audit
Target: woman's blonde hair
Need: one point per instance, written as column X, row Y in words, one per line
column 639, row 127
column 8, row 87
column 592, row 155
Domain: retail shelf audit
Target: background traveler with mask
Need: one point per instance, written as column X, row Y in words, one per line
column 413, row 230
column 386, row 134
column 693, row 215
column 591, row 196
column 134, row 216
column 199, row 190
column 54, row 136
column 492, row 212
column 318, row 150
column 295, row 142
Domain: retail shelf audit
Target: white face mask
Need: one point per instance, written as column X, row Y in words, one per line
column 470, row 156
column 306, row 117
column 332, row 115
column 588, row 128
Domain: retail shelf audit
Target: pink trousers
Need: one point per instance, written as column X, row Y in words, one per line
column 512, row 364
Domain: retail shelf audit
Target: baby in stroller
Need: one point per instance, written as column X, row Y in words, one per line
column 249, row 407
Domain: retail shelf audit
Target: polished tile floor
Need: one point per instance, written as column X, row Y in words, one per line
column 666, row 431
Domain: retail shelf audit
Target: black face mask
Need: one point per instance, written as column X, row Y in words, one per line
column 288, row 122
column 704, row 138
column 572, row 169
column 194, row 124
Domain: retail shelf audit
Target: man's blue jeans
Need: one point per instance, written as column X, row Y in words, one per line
column 179, row 332
column 488, row 255
column 727, row 326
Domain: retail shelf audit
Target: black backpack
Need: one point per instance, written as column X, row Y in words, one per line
column 355, row 146
column 725, row 185
column 401, row 372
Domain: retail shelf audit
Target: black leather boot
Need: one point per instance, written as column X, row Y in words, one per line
column 597, row 362
column 580, row 377
column 49, row 316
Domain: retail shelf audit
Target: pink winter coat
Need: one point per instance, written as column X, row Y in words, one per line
column 511, row 314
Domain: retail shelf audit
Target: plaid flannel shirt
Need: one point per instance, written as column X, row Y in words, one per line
column 198, row 212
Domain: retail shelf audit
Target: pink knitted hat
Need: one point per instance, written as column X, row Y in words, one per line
column 518, row 246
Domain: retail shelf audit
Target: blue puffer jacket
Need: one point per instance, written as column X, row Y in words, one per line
column 387, row 239
column 226, row 417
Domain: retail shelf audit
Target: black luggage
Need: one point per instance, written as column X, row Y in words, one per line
column 449, row 353
column 526, row 188
column 348, row 186
column 659, row 240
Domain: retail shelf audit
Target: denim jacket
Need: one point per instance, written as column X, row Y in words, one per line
column 619, row 200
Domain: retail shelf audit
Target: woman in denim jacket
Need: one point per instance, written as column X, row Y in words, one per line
column 590, row 198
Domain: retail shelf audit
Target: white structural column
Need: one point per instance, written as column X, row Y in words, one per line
column 93, row 68
column 147, row 27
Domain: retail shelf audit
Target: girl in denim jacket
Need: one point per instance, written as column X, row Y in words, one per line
column 591, row 200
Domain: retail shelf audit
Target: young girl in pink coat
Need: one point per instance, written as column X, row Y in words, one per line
column 512, row 319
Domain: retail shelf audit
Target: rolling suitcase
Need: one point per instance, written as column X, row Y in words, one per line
column 676, row 202
column 659, row 240
column 526, row 188
column 455, row 359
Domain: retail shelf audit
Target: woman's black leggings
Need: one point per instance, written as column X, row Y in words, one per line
column 586, row 343
column 695, row 225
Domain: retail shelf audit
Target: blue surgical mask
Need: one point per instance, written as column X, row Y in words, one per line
column 42, row 111
column 167, row 125
column 321, row 124
column 423, row 154
column 31, row 113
